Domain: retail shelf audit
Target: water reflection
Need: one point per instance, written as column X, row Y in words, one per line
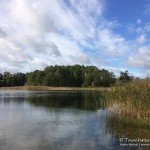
column 80, row 100
column 58, row 120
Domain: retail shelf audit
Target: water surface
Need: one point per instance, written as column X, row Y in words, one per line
column 56, row 120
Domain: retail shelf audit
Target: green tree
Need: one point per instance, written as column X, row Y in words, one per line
column 124, row 77
column 1, row 80
column 89, row 74
column 73, row 76
column 103, row 78
column 7, row 78
column 18, row 79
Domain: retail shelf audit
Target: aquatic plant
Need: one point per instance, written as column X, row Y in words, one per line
column 131, row 102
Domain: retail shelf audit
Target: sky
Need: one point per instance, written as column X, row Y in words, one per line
column 110, row 34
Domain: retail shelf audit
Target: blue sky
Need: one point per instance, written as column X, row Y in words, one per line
column 111, row 34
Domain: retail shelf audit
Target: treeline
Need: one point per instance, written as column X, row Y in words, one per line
column 64, row 76
column 8, row 79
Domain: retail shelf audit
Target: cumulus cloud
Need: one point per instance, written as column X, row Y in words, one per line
column 39, row 33
column 141, row 58
column 35, row 34
column 25, row 28
column 2, row 33
column 111, row 43
column 141, row 39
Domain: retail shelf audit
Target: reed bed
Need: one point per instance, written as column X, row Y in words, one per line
column 131, row 102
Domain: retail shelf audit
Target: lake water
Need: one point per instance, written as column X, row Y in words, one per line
column 57, row 120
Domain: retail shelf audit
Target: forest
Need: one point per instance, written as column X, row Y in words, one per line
column 64, row 76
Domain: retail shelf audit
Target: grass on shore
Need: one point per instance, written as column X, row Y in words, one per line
column 49, row 88
column 131, row 102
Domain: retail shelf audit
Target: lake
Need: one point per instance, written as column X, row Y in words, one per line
column 59, row 120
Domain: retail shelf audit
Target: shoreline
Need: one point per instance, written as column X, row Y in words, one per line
column 49, row 88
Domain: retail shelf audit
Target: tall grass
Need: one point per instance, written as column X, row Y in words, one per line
column 131, row 101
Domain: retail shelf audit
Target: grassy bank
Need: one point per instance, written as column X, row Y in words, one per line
column 131, row 102
column 48, row 88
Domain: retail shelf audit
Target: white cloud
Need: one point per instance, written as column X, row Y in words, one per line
column 34, row 34
column 111, row 43
column 24, row 34
column 141, row 58
column 142, row 39
column 139, row 29
column 40, row 33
